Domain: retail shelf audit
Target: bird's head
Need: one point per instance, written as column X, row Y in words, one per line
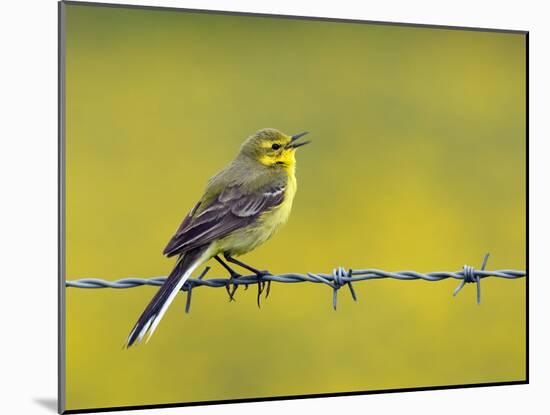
column 272, row 148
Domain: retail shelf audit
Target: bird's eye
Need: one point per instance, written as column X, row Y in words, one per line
column 276, row 146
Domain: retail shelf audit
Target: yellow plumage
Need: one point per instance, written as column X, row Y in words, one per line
column 247, row 239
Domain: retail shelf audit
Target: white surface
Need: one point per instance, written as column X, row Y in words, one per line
column 28, row 171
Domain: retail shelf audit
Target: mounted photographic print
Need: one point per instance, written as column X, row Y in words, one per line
column 258, row 207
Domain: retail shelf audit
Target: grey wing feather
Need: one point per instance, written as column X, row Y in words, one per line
column 231, row 210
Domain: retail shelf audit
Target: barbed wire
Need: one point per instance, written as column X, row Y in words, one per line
column 336, row 280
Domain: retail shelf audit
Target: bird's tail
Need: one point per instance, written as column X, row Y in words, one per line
column 154, row 311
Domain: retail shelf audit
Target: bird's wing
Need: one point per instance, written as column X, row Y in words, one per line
column 234, row 208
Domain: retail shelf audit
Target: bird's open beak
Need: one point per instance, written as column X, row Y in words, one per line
column 294, row 144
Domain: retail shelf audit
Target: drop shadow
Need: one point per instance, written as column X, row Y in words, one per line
column 48, row 403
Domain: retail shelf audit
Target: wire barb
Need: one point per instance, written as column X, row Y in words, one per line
column 190, row 286
column 340, row 278
column 335, row 280
column 470, row 276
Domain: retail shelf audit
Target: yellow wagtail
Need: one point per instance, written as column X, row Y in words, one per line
column 242, row 206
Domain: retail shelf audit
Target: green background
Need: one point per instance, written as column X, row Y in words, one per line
column 417, row 162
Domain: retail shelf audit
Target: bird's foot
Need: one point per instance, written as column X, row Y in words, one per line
column 262, row 284
column 231, row 287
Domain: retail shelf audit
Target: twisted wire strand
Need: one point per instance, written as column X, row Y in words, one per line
column 337, row 279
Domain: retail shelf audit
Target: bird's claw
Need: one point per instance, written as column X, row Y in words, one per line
column 262, row 284
column 268, row 288
column 231, row 287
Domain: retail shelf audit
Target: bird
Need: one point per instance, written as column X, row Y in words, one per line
column 242, row 207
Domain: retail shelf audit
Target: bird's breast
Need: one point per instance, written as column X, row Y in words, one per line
column 279, row 215
column 245, row 240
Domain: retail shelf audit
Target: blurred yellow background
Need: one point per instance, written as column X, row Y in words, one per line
column 417, row 162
